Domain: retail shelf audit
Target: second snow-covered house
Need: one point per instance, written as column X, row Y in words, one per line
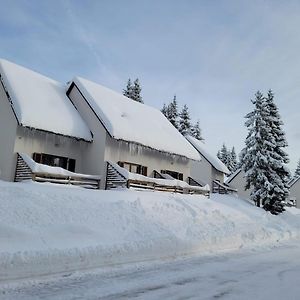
column 210, row 170
column 135, row 136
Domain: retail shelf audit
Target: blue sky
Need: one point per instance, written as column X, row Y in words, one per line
column 214, row 55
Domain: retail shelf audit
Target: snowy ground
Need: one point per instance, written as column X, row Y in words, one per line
column 48, row 229
column 270, row 274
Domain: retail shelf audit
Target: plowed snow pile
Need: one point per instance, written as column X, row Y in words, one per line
column 48, row 229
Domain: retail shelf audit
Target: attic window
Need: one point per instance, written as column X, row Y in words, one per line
column 133, row 168
column 55, row 161
column 174, row 174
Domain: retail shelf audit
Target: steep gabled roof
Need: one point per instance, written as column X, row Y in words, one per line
column 233, row 175
column 212, row 159
column 293, row 181
column 128, row 120
column 41, row 103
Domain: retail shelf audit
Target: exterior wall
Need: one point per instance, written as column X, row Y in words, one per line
column 93, row 161
column 154, row 160
column 295, row 193
column 218, row 175
column 202, row 171
column 8, row 131
column 239, row 182
column 29, row 141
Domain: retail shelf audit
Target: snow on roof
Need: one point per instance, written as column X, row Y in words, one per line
column 233, row 175
column 128, row 120
column 41, row 103
column 212, row 159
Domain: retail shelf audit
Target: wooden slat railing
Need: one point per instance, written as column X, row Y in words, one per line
column 24, row 172
column 222, row 188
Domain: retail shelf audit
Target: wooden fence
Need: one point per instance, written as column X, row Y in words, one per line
column 24, row 172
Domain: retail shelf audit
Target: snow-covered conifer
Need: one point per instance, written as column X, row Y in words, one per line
column 196, row 131
column 128, row 90
column 263, row 159
column 184, row 121
column 136, row 91
column 172, row 112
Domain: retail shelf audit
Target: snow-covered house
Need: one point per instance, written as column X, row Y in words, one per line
column 210, row 169
column 237, row 181
column 294, row 186
column 38, row 119
column 135, row 136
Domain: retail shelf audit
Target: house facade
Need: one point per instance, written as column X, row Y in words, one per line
column 210, row 168
column 237, row 180
column 136, row 136
column 294, row 186
column 81, row 126
column 38, row 119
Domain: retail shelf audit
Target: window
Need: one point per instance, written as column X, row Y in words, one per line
column 134, row 168
column 55, row 161
column 174, row 174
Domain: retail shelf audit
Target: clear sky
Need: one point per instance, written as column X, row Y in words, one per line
column 214, row 55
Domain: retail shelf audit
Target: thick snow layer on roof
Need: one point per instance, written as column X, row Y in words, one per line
column 202, row 149
column 131, row 121
column 41, row 103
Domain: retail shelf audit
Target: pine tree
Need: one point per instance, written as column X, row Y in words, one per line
column 136, row 91
column 297, row 171
column 196, row 131
column 133, row 91
column 233, row 161
column 263, row 159
column 129, row 89
column 278, row 159
column 254, row 155
column 172, row 112
column 164, row 110
column 224, row 155
column 184, row 121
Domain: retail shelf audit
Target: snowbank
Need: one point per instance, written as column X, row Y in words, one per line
column 47, row 229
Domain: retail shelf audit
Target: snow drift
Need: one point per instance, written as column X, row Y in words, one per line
column 48, row 229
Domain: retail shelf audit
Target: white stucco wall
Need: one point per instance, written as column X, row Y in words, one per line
column 7, row 137
column 152, row 159
column 29, row 141
column 295, row 193
column 202, row 171
column 239, row 182
column 93, row 161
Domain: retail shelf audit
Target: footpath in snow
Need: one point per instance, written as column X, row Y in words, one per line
column 47, row 229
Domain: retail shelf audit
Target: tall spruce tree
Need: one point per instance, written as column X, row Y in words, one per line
column 172, row 112
column 233, row 161
column 297, row 171
column 224, row 155
column 164, row 110
column 133, row 91
column 196, row 131
column 263, row 158
column 136, row 91
column 128, row 91
column 278, row 159
column 184, row 121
